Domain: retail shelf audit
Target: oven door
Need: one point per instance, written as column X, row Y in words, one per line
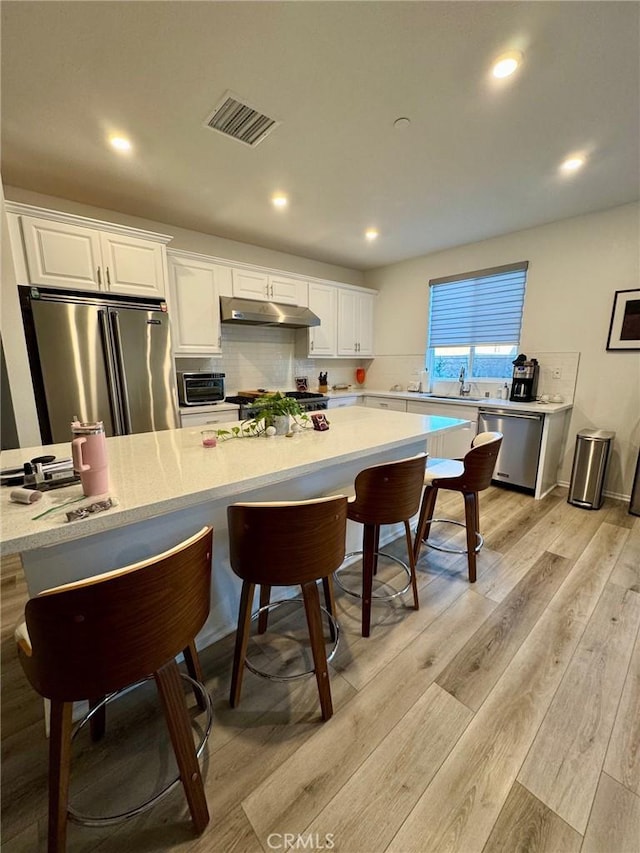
column 200, row 390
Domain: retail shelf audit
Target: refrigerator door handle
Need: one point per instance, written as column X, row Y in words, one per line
column 112, row 381
column 122, row 376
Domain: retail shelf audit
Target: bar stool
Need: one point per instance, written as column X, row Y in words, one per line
column 286, row 544
column 385, row 494
column 468, row 476
column 93, row 638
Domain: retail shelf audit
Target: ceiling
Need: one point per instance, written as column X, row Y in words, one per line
column 479, row 158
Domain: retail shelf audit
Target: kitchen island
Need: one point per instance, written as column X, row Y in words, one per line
column 167, row 486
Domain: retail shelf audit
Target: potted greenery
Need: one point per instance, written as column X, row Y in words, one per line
column 277, row 410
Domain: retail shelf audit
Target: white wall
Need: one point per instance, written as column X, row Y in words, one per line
column 575, row 266
column 15, row 349
column 195, row 241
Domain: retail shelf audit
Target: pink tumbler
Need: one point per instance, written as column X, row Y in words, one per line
column 89, row 451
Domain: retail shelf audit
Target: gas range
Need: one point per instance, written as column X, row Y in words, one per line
column 309, row 401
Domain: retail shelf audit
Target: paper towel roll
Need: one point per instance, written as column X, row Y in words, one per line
column 25, row 496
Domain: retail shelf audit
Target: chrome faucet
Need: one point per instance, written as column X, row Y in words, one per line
column 464, row 388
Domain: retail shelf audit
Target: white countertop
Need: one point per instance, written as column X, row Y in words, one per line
column 485, row 402
column 160, row 472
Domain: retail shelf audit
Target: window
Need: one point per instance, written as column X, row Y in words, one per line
column 474, row 322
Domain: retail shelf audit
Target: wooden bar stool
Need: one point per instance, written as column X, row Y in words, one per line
column 385, row 494
column 468, row 476
column 93, row 638
column 286, row 544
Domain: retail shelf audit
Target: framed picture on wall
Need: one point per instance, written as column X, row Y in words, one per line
column 624, row 329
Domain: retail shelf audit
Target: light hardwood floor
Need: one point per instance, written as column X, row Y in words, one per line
column 501, row 716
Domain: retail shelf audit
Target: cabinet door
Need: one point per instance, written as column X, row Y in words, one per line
column 250, row 285
column 365, row 324
column 195, row 307
column 348, row 307
column 132, row 265
column 453, row 444
column 286, row 290
column 61, row 255
column 322, row 338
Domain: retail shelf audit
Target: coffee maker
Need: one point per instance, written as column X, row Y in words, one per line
column 524, row 381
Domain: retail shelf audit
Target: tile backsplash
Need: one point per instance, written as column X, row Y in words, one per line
column 260, row 357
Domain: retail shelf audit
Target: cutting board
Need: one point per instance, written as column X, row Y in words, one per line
column 255, row 393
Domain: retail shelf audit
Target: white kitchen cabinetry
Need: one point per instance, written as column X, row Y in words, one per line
column 71, row 252
column 203, row 419
column 341, row 402
column 355, row 322
column 454, row 444
column 194, row 305
column 392, row 404
column 322, row 339
column 255, row 284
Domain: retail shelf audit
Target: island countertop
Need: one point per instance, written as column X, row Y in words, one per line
column 152, row 474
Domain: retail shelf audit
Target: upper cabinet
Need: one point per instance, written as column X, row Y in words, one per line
column 346, row 321
column 323, row 301
column 255, row 284
column 195, row 286
column 60, row 250
column 355, row 322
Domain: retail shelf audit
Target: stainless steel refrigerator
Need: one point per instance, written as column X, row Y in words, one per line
column 101, row 358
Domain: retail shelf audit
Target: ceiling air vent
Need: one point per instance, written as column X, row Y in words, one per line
column 240, row 121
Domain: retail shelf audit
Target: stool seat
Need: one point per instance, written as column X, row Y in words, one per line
column 91, row 638
column 438, row 468
column 469, row 476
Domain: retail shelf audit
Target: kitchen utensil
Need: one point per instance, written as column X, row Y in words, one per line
column 89, row 451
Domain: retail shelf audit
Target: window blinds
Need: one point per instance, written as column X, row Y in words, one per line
column 483, row 307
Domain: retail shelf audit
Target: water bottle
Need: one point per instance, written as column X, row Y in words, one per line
column 89, row 452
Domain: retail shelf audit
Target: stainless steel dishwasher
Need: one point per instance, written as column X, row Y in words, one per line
column 517, row 462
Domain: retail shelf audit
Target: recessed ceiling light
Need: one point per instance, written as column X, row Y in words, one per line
column 572, row 164
column 120, row 143
column 506, row 64
column 279, row 200
column 371, row 233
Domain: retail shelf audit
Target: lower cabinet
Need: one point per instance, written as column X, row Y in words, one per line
column 341, row 402
column 391, row 404
column 454, row 444
column 203, row 419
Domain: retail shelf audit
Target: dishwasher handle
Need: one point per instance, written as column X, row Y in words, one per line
column 502, row 413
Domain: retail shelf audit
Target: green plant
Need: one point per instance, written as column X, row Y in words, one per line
column 269, row 406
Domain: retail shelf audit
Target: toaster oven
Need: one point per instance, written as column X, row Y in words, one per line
column 200, row 389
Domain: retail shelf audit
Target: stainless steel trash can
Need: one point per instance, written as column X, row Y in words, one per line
column 590, row 459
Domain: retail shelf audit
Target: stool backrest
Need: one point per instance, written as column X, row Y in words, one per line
column 93, row 637
column 479, row 464
column 389, row 493
column 287, row 543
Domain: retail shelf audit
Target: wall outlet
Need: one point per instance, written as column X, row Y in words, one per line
column 557, row 373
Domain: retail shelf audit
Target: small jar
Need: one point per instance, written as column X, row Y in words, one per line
column 209, row 437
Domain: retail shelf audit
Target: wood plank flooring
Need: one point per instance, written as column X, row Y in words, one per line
column 502, row 716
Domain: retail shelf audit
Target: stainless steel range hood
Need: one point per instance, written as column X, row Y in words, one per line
column 253, row 312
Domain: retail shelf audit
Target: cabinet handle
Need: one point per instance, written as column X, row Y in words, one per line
column 99, row 277
column 384, row 405
column 108, row 278
column 311, row 346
